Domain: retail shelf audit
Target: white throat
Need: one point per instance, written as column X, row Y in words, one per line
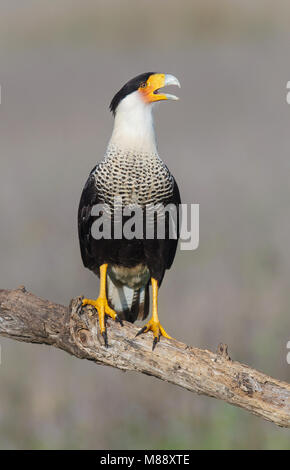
column 134, row 127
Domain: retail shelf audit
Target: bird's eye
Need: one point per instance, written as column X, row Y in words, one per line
column 143, row 85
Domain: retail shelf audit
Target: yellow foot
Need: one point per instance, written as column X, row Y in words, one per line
column 157, row 330
column 103, row 309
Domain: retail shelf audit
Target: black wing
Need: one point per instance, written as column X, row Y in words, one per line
column 89, row 198
column 172, row 243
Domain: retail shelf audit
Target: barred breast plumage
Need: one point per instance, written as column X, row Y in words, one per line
column 139, row 178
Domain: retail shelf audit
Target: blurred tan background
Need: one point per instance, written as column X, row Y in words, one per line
column 227, row 143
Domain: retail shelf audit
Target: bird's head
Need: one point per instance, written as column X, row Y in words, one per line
column 132, row 108
column 144, row 90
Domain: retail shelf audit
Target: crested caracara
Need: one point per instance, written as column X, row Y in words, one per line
column 132, row 173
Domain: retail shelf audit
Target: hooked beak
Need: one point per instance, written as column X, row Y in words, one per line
column 151, row 92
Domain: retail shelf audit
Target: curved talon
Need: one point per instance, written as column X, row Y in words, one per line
column 103, row 309
column 104, row 335
column 155, row 341
column 118, row 319
column 157, row 331
column 141, row 331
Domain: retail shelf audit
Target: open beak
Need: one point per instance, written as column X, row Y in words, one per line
column 151, row 92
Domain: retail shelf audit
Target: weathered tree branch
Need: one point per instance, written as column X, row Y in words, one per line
column 25, row 317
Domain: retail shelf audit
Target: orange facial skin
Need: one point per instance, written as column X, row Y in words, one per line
column 154, row 82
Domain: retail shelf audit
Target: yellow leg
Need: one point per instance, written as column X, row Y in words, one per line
column 154, row 324
column 101, row 303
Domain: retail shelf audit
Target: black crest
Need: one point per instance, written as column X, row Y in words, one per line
column 128, row 88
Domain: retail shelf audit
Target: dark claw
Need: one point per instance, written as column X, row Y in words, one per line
column 118, row 319
column 104, row 335
column 141, row 331
column 155, row 341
